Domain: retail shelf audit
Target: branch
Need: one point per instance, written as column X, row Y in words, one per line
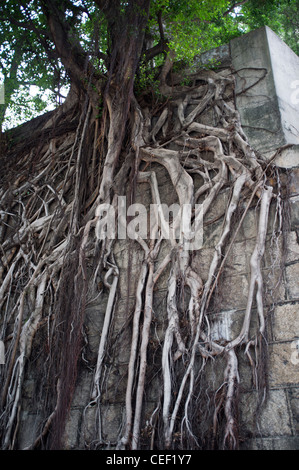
column 235, row 5
column 160, row 48
column 69, row 50
column 28, row 25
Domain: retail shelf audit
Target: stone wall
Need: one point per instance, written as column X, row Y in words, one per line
column 265, row 70
column 269, row 109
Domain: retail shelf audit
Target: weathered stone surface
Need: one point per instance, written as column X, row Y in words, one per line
column 294, row 209
column 282, row 369
column 83, row 389
column 238, row 258
column 273, row 419
column 294, row 406
column 226, row 325
column 292, row 275
column 72, row 433
column 231, row 292
column 110, row 416
column 286, row 322
column 277, row 443
column 288, row 158
column 266, row 68
column 220, row 57
column 293, row 185
column 30, row 425
column 274, row 285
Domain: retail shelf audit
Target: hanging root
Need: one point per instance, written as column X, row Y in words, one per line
column 242, row 174
column 54, row 260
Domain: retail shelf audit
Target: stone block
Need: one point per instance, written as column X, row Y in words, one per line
column 231, row 293
column 83, row 389
column 218, row 206
column 214, row 374
column 225, row 326
column 266, row 71
column 283, row 370
column 128, row 280
column 124, row 309
column 219, row 56
column 294, row 407
column 286, row 322
column 238, row 258
column 123, row 342
column 272, row 258
column 29, row 428
column 212, row 233
column 272, row 419
column 249, row 226
column 274, row 285
column 116, row 384
column 288, row 158
column 294, row 212
column 201, row 262
column 93, row 323
column 112, row 416
column 293, row 185
column 292, row 276
column 272, row 443
column 127, row 253
column 71, row 434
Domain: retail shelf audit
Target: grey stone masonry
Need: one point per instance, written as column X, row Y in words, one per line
column 267, row 80
column 267, row 98
column 267, row 93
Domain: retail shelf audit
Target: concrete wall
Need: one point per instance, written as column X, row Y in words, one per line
column 269, row 112
column 267, row 72
column 267, row 98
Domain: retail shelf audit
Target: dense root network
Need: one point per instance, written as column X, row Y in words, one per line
column 52, row 257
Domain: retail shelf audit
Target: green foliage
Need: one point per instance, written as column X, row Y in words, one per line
column 189, row 26
column 28, row 55
column 24, row 105
column 26, row 59
column 147, row 76
column 282, row 17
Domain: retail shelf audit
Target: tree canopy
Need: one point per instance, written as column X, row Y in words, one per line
column 51, row 44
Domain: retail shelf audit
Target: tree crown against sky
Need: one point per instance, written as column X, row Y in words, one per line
column 39, row 39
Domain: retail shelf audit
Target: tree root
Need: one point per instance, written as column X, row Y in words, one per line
column 47, row 222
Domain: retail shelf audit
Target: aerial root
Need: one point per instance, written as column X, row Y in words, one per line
column 47, row 227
